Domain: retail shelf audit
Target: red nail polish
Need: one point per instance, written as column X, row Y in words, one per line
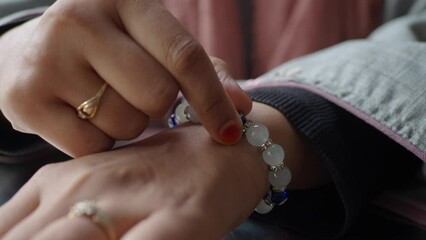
column 231, row 133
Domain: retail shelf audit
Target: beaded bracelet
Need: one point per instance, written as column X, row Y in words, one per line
column 257, row 135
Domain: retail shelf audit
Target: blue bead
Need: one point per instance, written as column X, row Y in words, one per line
column 172, row 121
column 277, row 198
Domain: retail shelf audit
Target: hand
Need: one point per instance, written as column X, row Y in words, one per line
column 54, row 63
column 178, row 184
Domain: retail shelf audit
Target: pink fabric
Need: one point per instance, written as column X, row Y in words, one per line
column 281, row 29
column 405, row 205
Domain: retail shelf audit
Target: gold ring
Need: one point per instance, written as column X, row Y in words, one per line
column 91, row 211
column 88, row 109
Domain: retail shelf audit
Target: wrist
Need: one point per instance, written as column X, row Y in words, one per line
column 308, row 171
column 254, row 168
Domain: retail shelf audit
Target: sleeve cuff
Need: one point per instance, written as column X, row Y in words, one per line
column 361, row 160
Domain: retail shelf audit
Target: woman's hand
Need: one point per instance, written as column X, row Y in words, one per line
column 178, row 184
column 51, row 65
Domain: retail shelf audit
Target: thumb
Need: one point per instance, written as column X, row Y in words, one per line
column 230, row 132
column 223, row 124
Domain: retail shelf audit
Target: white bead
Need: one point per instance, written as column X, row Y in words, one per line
column 191, row 115
column 257, row 134
column 280, row 178
column 274, row 155
column 263, row 207
column 180, row 112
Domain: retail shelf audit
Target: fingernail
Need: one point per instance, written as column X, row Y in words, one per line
column 231, row 132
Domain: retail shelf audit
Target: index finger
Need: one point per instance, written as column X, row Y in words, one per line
column 22, row 204
column 154, row 28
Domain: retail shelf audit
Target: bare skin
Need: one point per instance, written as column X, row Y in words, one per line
column 54, row 63
column 179, row 184
column 182, row 183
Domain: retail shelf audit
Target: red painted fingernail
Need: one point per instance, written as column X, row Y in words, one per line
column 231, row 133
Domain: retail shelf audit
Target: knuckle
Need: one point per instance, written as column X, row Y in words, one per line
column 183, row 52
column 135, row 175
column 163, row 95
column 17, row 99
column 68, row 16
column 46, row 171
column 62, row 14
column 23, row 101
column 9, row 96
column 77, row 176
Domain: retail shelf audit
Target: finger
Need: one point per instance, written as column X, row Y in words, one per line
column 240, row 98
column 75, row 228
column 27, row 228
column 168, row 225
column 113, row 220
column 58, row 124
column 22, row 204
column 132, row 72
column 177, row 225
column 176, row 50
column 47, row 212
column 115, row 116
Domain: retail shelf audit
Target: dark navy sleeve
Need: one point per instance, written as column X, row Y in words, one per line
column 361, row 160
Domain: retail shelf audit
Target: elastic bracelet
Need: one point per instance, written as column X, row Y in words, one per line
column 257, row 135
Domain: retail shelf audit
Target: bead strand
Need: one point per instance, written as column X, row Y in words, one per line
column 273, row 154
column 257, row 135
column 183, row 113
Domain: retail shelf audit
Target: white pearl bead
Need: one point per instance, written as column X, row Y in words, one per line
column 274, row 155
column 263, row 207
column 257, row 134
column 280, row 178
column 180, row 112
column 191, row 115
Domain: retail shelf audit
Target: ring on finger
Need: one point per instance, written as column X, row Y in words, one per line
column 89, row 108
column 89, row 209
